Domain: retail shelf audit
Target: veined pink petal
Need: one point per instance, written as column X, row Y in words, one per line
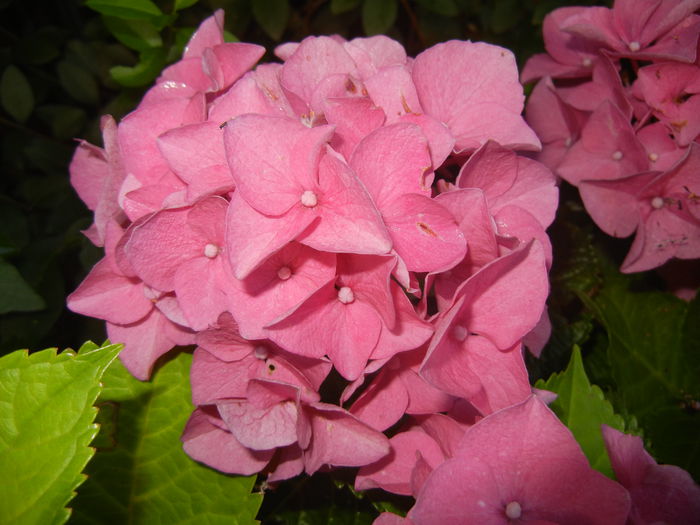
column 209, row 444
column 273, row 183
column 392, row 161
column 354, row 118
column 349, row 220
column 476, row 104
column 280, row 283
column 341, row 439
column 393, row 472
column 251, row 237
column 424, row 233
column 111, row 296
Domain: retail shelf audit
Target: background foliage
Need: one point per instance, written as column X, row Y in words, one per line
column 63, row 64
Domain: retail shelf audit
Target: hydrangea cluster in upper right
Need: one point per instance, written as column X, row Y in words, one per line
column 617, row 108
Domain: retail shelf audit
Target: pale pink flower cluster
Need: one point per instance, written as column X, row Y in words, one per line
column 617, row 108
column 354, row 209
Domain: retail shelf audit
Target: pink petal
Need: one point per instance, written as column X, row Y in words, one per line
column 209, row 444
column 425, row 234
column 272, row 184
column 251, row 237
column 393, row 472
column 349, row 220
column 110, row 296
column 342, row 440
column 448, row 87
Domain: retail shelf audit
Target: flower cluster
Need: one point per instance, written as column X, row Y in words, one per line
column 350, row 216
column 617, row 108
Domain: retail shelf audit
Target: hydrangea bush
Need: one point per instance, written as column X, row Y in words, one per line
column 357, row 217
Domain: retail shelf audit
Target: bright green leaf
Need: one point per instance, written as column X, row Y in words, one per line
column 129, row 9
column 654, row 361
column 182, row 4
column 150, row 65
column 78, row 82
column 343, row 6
column 378, row 15
column 146, row 477
column 16, row 94
column 272, row 15
column 582, row 407
column 140, row 35
column 15, row 294
column 47, row 413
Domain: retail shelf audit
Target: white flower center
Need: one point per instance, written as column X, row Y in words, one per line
column 653, row 157
column 284, row 273
column 309, row 199
column 617, row 155
column 634, row 46
column 211, row 250
column 460, row 332
column 260, row 352
column 587, row 62
column 657, row 203
column 513, row 510
column 345, row 295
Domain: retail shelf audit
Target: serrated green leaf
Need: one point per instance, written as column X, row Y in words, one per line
column 16, row 94
column 145, row 477
column 15, row 294
column 582, row 407
column 654, row 361
column 272, row 15
column 182, row 4
column 129, row 9
column 47, row 413
column 78, row 82
column 343, row 6
column 140, row 35
column 378, row 15
column 150, row 64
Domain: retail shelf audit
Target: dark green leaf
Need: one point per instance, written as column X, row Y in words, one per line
column 129, row 9
column 272, row 15
column 318, row 500
column 15, row 294
column 16, row 94
column 582, row 407
column 41, row 46
column 149, row 67
column 140, row 35
column 78, row 82
column 343, row 6
column 654, row 361
column 441, row 7
column 143, row 476
column 66, row 121
column 378, row 15
column 46, row 406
